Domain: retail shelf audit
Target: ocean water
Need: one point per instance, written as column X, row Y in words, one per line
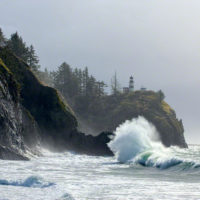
column 142, row 169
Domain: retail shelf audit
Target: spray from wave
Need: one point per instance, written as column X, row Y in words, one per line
column 137, row 141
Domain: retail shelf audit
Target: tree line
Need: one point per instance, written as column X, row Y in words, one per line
column 72, row 83
column 16, row 44
column 76, row 82
column 85, row 94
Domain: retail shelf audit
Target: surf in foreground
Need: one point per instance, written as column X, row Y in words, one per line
column 67, row 176
column 140, row 155
column 137, row 142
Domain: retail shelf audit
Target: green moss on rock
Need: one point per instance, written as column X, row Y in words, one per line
column 53, row 116
column 8, row 78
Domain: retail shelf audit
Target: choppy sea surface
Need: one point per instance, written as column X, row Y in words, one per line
column 142, row 169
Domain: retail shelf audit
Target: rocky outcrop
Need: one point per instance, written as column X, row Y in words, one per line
column 91, row 145
column 117, row 109
column 42, row 102
column 158, row 112
column 32, row 113
column 38, row 114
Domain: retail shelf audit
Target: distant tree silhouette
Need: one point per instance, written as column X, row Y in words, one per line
column 2, row 39
column 161, row 95
column 115, row 87
column 32, row 58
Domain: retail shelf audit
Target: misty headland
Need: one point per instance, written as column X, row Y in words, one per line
column 78, row 114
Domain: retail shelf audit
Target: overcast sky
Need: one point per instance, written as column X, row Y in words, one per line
column 156, row 40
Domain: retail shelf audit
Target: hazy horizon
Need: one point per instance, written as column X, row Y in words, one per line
column 156, row 41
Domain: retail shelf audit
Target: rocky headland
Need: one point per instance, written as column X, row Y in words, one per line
column 32, row 114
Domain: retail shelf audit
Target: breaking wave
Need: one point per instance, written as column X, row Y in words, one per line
column 137, row 142
column 32, row 181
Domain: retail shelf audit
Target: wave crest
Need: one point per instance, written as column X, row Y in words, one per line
column 137, row 142
column 32, row 181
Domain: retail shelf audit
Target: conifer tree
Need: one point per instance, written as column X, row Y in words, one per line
column 78, row 78
column 80, row 81
column 100, row 88
column 32, row 59
column 18, row 47
column 161, row 95
column 2, row 39
column 64, row 80
column 85, row 81
column 115, row 88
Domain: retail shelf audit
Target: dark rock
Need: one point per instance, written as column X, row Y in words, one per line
column 54, row 117
column 92, row 145
column 11, row 125
column 44, row 117
column 124, row 107
column 7, row 153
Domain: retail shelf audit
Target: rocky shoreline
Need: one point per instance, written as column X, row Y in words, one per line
column 33, row 114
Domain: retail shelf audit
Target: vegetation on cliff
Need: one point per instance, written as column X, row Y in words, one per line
column 42, row 105
column 7, row 77
column 43, row 102
column 99, row 112
column 93, row 107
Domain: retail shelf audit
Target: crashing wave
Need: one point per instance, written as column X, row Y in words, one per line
column 137, row 142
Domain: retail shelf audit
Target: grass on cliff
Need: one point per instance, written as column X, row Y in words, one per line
column 4, row 66
column 8, row 78
column 166, row 107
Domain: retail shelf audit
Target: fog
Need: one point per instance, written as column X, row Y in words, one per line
column 156, row 41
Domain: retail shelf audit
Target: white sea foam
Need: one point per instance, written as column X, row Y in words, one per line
column 137, row 141
column 133, row 137
column 32, row 181
column 81, row 177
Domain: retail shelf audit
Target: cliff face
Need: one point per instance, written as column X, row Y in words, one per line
column 12, row 127
column 43, row 103
column 115, row 110
column 37, row 113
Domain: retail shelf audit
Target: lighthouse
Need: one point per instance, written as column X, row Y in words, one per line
column 131, row 84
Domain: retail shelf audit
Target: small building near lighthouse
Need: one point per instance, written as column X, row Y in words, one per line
column 143, row 88
column 125, row 90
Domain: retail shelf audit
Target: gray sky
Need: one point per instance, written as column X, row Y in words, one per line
column 156, row 40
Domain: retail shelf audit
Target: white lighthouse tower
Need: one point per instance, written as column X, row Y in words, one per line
column 131, row 84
